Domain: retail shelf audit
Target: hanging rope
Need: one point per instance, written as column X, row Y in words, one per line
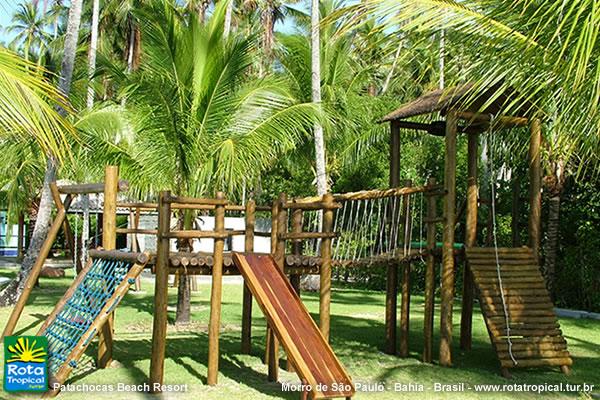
column 495, row 238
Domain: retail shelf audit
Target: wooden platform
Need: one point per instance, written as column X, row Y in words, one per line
column 312, row 357
column 535, row 334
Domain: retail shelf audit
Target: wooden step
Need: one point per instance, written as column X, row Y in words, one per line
column 533, row 340
column 520, row 313
column 533, row 353
column 500, row 250
column 531, row 320
column 485, row 268
column 527, row 332
column 503, row 346
column 541, row 362
column 510, row 274
column 510, row 285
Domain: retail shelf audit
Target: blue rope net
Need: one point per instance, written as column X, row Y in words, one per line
column 82, row 309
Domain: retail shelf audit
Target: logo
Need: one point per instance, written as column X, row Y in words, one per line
column 25, row 364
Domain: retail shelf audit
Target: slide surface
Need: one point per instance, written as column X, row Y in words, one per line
column 313, row 359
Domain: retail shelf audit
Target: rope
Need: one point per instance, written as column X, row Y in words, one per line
column 494, row 235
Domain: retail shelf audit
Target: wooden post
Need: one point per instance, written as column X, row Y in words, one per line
column 159, row 327
column 535, row 187
column 274, row 230
column 109, row 242
column 214, row 322
column 20, row 236
column 37, row 267
column 429, row 277
column 325, row 271
column 466, row 320
column 405, row 303
column 297, row 251
column 279, row 256
column 391, row 292
column 247, row 296
column 448, row 273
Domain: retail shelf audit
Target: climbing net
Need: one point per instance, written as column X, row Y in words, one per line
column 82, row 308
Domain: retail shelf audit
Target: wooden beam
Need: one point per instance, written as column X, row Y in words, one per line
column 297, row 217
column 274, row 231
column 430, row 278
column 109, row 242
column 391, row 292
column 250, row 222
column 17, row 310
column 501, row 120
column 535, row 187
column 466, row 320
column 448, row 273
column 214, row 323
column 86, row 188
column 159, row 327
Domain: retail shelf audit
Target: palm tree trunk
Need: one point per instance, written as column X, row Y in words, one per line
column 268, row 22
column 390, row 74
column 316, row 97
column 228, row 15
column 10, row 294
column 551, row 248
column 92, row 53
column 183, row 311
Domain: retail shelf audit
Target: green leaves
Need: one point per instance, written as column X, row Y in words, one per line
column 197, row 120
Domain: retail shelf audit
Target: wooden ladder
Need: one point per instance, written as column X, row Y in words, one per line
column 535, row 334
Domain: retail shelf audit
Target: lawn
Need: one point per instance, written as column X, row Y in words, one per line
column 357, row 337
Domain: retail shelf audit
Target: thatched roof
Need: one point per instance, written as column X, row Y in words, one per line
column 460, row 97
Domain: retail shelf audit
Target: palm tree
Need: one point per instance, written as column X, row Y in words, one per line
column 29, row 123
column 194, row 123
column 92, row 51
column 321, row 178
column 29, row 26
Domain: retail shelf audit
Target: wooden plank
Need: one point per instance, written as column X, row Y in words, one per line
column 503, row 346
column 530, row 320
column 313, row 358
column 505, row 268
column 542, row 362
column 533, row 354
column 525, row 332
column 500, row 250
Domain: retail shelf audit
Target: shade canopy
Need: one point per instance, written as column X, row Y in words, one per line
column 464, row 99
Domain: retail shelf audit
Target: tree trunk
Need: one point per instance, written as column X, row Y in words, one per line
column 554, row 183
column 316, row 98
column 182, row 314
column 228, row 15
column 13, row 290
column 551, row 249
column 92, row 53
column 268, row 23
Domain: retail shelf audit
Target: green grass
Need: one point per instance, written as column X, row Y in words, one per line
column 357, row 337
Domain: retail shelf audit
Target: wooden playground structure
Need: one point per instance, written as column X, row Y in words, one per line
column 310, row 236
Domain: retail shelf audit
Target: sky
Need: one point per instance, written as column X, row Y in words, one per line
column 8, row 7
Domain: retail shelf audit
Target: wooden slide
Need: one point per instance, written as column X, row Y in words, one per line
column 312, row 357
column 536, row 338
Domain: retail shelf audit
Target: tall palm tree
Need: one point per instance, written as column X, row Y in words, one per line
column 29, row 26
column 40, row 231
column 93, row 50
column 194, row 123
column 320, row 162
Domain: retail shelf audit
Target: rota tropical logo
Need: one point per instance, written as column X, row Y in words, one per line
column 25, row 364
